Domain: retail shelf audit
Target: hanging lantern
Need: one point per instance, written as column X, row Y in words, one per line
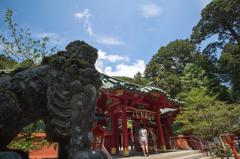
column 152, row 117
column 146, row 115
column 133, row 114
column 141, row 114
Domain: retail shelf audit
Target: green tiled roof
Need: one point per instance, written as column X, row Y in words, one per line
column 111, row 83
column 167, row 110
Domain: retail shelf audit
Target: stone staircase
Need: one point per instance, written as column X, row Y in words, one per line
column 181, row 154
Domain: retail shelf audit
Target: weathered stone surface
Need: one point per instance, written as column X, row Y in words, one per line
column 10, row 155
column 63, row 92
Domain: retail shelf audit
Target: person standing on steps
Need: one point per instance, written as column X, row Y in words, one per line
column 120, row 140
column 130, row 140
column 151, row 138
column 142, row 137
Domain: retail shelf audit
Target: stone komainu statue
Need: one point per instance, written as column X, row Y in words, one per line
column 63, row 92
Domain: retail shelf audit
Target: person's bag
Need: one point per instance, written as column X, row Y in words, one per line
column 129, row 137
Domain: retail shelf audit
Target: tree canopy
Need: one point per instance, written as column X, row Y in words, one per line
column 206, row 116
column 7, row 62
column 219, row 17
column 171, row 58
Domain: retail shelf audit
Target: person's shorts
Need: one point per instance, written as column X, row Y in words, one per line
column 130, row 143
column 151, row 143
column 143, row 144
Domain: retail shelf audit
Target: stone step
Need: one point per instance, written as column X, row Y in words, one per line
column 207, row 157
column 176, row 154
column 193, row 156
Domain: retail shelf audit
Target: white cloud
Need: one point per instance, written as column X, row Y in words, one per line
column 150, row 10
column 109, row 41
column 88, row 27
column 90, row 30
column 113, row 58
column 126, row 70
column 87, row 24
column 43, row 35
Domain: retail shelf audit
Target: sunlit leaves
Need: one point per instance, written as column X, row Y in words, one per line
column 27, row 139
column 207, row 117
column 22, row 46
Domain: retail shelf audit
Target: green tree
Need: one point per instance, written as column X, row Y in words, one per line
column 172, row 58
column 127, row 79
column 219, row 17
column 152, row 70
column 229, row 68
column 27, row 139
column 21, row 45
column 170, row 83
column 6, row 62
column 139, row 80
column 196, row 77
column 168, row 64
column 193, row 77
column 207, row 117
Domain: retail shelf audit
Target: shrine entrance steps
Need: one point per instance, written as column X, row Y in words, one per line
column 181, row 154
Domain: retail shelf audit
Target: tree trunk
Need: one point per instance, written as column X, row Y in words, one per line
column 234, row 34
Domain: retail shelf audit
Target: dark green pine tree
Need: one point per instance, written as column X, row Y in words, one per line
column 229, row 68
column 168, row 63
column 219, row 17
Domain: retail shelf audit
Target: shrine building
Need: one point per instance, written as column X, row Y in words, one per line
column 120, row 101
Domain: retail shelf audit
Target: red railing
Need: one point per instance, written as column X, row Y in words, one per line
column 197, row 144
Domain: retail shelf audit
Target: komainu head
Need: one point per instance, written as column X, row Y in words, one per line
column 77, row 53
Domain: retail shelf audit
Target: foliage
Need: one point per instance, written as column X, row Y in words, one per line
column 193, row 77
column 170, row 83
column 168, row 64
column 171, row 58
column 206, row 116
column 127, row 79
column 228, row 149
column 129, row 125
column 196, row 77
column 229, row 67
column 27, row 139
column 23, row 47
column 6, row 62
column 139, row 80
column 219, row 17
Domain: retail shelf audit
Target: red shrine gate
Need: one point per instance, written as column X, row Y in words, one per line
column 123, row 100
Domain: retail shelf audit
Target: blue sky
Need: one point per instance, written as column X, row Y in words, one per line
column 127, row 33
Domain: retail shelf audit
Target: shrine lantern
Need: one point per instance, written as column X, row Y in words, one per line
column 99, row 134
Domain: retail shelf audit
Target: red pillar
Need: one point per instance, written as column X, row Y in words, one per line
column 117, row 133
column 160, row 132
column 113, row 136
column 144, row 123
column 124, row 133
